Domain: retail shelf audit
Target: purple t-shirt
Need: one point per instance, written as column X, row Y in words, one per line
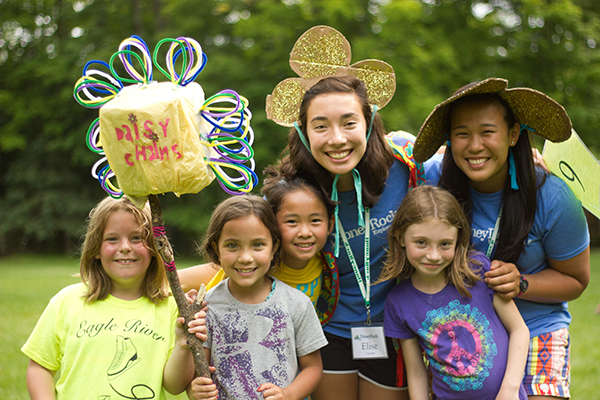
column 464, row 340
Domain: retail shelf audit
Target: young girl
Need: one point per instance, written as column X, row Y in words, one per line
column 442, row 306
column 520, row 215
column 303, row 216
column 263, row 336
column 111, row 335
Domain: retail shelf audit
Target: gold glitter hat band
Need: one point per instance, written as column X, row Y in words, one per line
column 322, row 52
column 545, row 116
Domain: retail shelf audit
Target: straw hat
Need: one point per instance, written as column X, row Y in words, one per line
column 545, row 116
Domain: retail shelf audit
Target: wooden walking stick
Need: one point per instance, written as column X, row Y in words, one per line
column 186, row 310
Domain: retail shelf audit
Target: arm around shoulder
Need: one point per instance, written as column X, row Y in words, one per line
column 192, row 277
column 566, row 244
column 564, row 281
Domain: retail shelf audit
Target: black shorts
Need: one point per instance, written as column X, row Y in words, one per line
column 387, row 373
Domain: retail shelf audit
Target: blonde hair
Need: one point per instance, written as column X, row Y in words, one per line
column 99, row 284
column 423, row 204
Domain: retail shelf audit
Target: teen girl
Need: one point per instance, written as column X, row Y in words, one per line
column 111, row 335
column 263, row 336
column 337, row 141
column 339, row 144
column 304, row 217
column 519, row 214
column 442, row 306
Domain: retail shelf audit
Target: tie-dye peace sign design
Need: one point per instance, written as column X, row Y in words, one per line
column 461, row 346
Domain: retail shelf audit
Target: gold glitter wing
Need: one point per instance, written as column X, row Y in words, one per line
column 379, row 78
column 283, row 103
column 321, row 52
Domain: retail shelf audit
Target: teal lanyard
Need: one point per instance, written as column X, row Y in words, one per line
column 363, row 285
column 494, row 234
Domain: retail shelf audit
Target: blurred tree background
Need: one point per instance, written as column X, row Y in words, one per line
column 435, row 47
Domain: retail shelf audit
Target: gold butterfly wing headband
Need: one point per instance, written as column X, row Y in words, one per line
column 319, row 53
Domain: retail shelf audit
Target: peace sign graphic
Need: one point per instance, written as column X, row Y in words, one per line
column 461, row 345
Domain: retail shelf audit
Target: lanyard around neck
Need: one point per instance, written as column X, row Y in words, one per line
column 363, row 285
column 494, row 234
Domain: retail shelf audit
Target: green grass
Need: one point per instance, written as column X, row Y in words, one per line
column 28, row 282
column 585, row 331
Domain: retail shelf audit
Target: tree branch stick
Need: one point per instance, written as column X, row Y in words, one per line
column 186, row 310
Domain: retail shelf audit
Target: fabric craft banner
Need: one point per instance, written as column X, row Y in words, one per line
column 576, row 165
column 151, row 137
column 161, row 137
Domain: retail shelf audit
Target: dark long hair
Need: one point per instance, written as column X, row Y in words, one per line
column 375, row 163
column 519, row 205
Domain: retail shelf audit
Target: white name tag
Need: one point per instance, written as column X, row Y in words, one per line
column 368, row 342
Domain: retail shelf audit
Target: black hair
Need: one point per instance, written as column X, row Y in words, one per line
column 518, row 205
column 276, row 187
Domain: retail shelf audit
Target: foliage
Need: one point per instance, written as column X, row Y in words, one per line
column 435, row 47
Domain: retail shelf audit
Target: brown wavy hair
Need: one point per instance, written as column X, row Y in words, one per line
column 375, row 163
column 99, row 285
column 423, row 204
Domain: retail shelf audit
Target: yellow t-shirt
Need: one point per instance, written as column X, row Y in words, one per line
column 308, row 279
column 108, row 349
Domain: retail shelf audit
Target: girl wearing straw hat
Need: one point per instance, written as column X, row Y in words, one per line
column 520, row 215
column 337, row 141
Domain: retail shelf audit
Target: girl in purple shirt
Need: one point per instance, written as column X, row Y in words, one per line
column 474, row 340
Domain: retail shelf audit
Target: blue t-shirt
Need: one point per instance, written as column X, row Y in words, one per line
column 351, row 306
column 433, row 169
column 463, row 338
column 559, row 232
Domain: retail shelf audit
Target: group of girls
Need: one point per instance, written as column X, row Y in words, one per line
column 340, row 223
column 452, row 303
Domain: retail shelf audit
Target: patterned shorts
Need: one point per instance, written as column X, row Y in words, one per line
column 548, row 368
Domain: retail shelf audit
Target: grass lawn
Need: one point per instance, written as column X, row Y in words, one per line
column 28, row 283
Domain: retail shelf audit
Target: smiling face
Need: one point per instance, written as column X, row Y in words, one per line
column 124, row 255
column 430, row 247
column 480, row 139
column 337, row 132
column 304, row 227
column 245, row 250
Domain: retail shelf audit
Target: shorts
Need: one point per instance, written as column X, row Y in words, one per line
column 548, row 368
column 337, row 359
